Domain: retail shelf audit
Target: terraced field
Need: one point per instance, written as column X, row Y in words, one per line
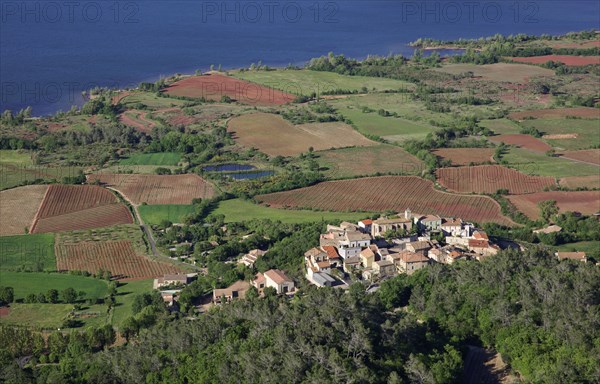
column 158, row 189
column 491, row 178
column 70, row 207
column 379, row 194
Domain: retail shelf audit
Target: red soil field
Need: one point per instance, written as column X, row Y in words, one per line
column 118, row 257
column 378, row 194
column 103, row 216
column 573, row 182
column 575, row 61
column 523, row 141
column 137, row 120
column 585, row 202
column 490, row 178
column 585, row 112
column 70, row 207
column 583, row 45
column 158, row 189
column 466, row 156
column 61, row 199
column 215, row 86
column 586, row 155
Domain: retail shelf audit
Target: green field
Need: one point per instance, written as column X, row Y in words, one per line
column 29, row 252
column 8, row 156
column 591, row 248
column 125, row 295
column 305, row 82
column 38, row 315
column 237, row 210
column 154, row 214
column 533, row 163
column 363, row 161
column 17, row 168
column 25, row 283
column 151, row 100
column 501, row 126
column 587, row 131
column 160, row 158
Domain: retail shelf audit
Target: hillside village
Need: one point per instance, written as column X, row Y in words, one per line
column 373, row 250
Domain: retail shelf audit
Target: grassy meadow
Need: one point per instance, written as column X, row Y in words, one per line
column 305, row 82
column 126, row 292
column 154, row 214
column 25, row 283
column 30, row 252
column 159, row 158
column 533, row 163
column 237, row 210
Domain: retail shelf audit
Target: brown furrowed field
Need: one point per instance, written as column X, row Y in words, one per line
column 102, row 216
column 69, row 207
column 377, row 194
column 366, row 161
column 215, row 86
column 559, row 113
column 491, row 178
column 274, row 136
column 573, row 182
column 585, row 202
column 575, row 61
column 466, row 156
column 515, row 73
column 118, row 257
column 62, row 199
column 586, row 155
column 18, row 207
column 522, row 141
column 158, row 189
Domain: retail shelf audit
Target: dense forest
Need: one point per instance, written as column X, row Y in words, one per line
column 542, row 315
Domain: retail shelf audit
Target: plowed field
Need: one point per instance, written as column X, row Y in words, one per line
column 491, row 178
column 158, row 189
column 377, row 194
column 118, row 257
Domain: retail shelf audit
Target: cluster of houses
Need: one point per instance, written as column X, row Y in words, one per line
column 377, row 249
column 273, row 278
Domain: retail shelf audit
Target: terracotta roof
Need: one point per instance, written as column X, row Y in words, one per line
column 260, row 278
column 478, row 243
column 331, row 252
column 366, row 222
column 451, row 223
column 384, row 263
column 571, row 255
column 480, row 235
column 419, row 244
column 239, row 286
column 279, row 277
column 431, row 218
column 357, row 236
column 313, row 252
column 411, row 257
column 549, row 229
column 322, row 264
column 367, row 253
column 455, row 254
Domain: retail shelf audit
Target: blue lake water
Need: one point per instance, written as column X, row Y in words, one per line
column 229, row 168
column 51, row 51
